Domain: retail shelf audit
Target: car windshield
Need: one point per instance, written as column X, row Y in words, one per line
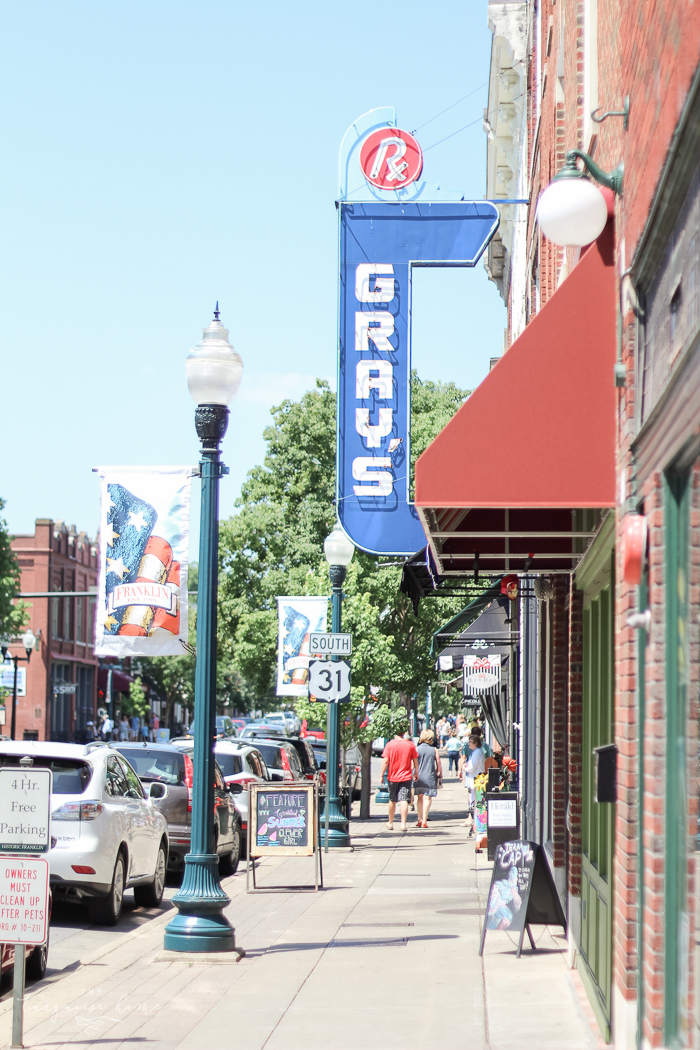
column 271, row 753
column 70, row 776
column 167, row 767
column 230, row 764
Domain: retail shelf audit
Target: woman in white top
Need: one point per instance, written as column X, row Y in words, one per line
column 472, row 764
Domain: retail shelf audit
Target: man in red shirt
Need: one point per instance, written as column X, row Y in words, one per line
column 400, row 758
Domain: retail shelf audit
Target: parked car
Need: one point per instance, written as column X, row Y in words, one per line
column 173, row 766
column 261, row 729
column 306, row 754
column 286, row 720
column 281, row 759
column 109, row 832
column 293, row 717
column 224, row 727
column 241, row 764
column 242, row 722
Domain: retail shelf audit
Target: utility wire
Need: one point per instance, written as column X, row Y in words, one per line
column 450, row 107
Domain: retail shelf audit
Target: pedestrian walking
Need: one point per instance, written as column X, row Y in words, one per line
column 471, row 764
column 399, row 761
column 445, row 731
column 106, row 729
column 124, row 728
column 454, row 747
column 429, row 776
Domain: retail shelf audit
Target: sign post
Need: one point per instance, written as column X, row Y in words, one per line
column 25, row 829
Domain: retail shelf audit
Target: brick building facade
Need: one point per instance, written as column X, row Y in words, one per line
column 584, row 58
column 61, row 676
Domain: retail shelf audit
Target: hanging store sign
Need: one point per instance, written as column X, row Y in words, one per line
column 381, row 241
column 144, row 534
column 482, row 673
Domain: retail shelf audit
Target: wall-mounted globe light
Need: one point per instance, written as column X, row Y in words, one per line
column 572, row 212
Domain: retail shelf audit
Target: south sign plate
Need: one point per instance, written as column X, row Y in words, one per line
column 329, row 681
column 24, row 900
column 327, row 644
column 25, row 808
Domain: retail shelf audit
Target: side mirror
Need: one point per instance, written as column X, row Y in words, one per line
column 157, row 791
column 235, row 788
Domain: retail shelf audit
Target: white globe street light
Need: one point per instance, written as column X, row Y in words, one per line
column 213, row 368
column 572, row 212
column 29, row 641
column 337, row 548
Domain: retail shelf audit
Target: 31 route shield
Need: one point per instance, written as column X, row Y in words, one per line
column 329, row 681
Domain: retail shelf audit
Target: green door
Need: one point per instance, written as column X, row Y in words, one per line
column 597, row 818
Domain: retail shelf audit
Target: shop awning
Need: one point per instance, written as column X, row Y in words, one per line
column 461, row 620
column 517, row 481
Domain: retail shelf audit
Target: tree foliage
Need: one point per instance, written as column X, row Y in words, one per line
column 14, row 615
column 273, row 546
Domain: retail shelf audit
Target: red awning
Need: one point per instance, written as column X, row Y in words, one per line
column 528, row 463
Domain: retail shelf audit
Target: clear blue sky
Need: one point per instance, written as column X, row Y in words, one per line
column 161, row 155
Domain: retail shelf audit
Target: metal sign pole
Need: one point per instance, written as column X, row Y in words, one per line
column 326, row 806
column 18, row 998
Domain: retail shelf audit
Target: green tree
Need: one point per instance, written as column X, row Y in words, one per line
column 273, row 545
column 14, row 615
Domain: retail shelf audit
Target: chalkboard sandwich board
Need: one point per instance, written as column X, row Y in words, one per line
column 522, row 892
column 283, row 821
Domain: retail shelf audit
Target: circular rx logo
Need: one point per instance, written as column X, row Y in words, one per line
column 391, row 158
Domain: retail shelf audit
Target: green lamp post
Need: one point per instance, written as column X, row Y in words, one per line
column 214, row 372
column 339, row 551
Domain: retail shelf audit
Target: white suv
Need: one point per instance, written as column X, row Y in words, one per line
column 109, row 834
column 241, row 764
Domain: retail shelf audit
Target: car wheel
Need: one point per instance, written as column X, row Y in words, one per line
column 228, row 863
column 35, row 968
column 150, row 894
column 106, row 911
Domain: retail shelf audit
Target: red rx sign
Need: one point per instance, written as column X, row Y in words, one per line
column 391, row 158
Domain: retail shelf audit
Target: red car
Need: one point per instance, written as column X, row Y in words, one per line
column 36, row 959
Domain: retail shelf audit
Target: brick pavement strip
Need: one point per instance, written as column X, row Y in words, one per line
column 373, row 961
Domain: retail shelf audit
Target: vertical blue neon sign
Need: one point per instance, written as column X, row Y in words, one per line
column 380, row 243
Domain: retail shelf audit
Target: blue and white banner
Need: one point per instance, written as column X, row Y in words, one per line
column 298, row 618
column 144, row 535
column 380, row 244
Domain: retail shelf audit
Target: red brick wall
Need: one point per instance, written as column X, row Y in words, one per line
column 53, row 559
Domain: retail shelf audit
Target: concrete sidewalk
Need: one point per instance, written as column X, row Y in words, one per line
column 385, row 957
